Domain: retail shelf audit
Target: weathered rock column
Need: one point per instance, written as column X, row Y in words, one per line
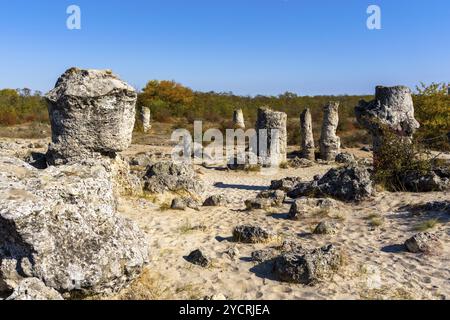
column 238, row 119
column 392, row 109
column 146, row 118
column 272, row 136
column 330, row 143
column 91, row 112
column 307, row 138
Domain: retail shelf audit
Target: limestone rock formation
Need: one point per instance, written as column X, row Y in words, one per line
column 60, row 225
column 34, row 289
column 272, row 136
column 393, row 109
column 238, row 119
column 307, row 138
column 216, row 200
column 345, row 157
column 197, row 257
column 91, row 112
column 330, row 143
column 146, row 118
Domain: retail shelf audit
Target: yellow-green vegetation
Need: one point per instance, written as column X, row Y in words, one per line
column 427, row 225
column 375, row 220
column 432, row 109
column 21, row 106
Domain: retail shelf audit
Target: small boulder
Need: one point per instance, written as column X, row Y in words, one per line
column 326, row 227
column 308, row 268
column 197, row 257
column 286, row 184
column 216, row 201
column 424, row 243
column 345, row 157
column 264, row 255
column 251, row 234
column 276, row 196
column 178, row 204
column 258, row 204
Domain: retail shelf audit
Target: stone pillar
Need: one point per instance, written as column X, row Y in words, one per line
column 91, row 112
column 330, row 143
column 272, row 137
column 146, row 117
column 392, row 109
column 306, row 135
column 238, row 119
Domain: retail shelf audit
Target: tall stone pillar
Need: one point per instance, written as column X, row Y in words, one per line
column 306, row 136
column 330, row 143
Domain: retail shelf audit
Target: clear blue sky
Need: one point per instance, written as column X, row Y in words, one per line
column 246, row 46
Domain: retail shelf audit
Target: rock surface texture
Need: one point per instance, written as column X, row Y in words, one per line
column 392, row 109
column 272, row 137
column 238, row 119
column 91, row 111
column 307, row 138
column 351, row 183
column 60, row 225
column 34, row 289
column 146, row 118
column 330, row 143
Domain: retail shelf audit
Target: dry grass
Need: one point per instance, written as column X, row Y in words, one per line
column 149, row 286
column 426, row 225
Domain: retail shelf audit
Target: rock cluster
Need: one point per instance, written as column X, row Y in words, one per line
column 60, row 225
column 266, row 199
column 330, row 143
column 34, row 289
column 351, row 183
column 91, row 112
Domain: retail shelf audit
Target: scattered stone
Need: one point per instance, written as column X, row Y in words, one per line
column 184, row 203
column 297, row 210
column 238, row 119
column 232, row 253
column 141, row 160
column 424, row 243
column 169, row 176
column 277, row 197
column 330, row 143
column 286, row 184
column 216, row 297
column 290, row 246
column 351, row 183
column 197, row 257
column 60, row 225
column 393, row 107
column 264, row 255
column 273, row 123
column 216, row 201
column 146, row 118
column 297, row 163
column 34, row 289
column 367, row 149
column 178, row 204
column 91, row 112
column 345, row 157
column 308, row 268
column 307, row 138
column 258, row 204
column 251, row 234
column 415, row 181
column 326, row 227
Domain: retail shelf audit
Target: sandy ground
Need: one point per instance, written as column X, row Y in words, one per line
column 370, row 234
